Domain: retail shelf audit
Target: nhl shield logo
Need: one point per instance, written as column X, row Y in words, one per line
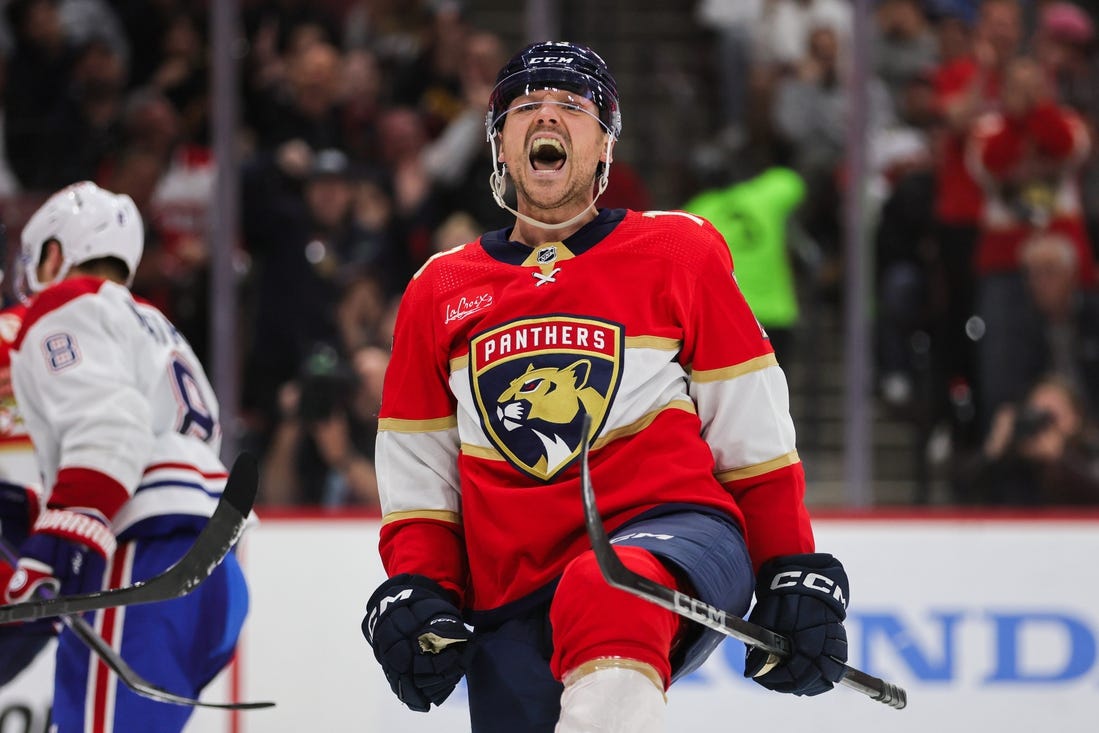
column 534, row 380
column 546, row 255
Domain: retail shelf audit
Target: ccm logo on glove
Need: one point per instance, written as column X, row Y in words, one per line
column 804, row 598
column 419, row 638
column 812, row 581
column 374, row 613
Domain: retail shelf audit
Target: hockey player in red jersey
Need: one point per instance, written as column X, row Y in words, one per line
column 20, row 497
column 20, row 491
column 502, row 345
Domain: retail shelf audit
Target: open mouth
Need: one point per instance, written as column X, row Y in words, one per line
column 547, row 154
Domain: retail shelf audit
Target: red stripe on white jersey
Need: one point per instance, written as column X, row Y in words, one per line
column 152, row 468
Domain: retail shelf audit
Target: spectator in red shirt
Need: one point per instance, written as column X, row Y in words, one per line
column 1025, row 158
column 967, row 86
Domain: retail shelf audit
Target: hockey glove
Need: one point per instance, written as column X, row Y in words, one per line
column 66, row 552
column 419, row 639
column 20, row 644
column 803, row 597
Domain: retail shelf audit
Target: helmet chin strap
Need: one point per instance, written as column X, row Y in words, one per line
column 497, row 181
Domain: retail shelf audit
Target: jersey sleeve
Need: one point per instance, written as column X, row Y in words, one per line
column 417, row 451
column 75, row 385
column 742, row 399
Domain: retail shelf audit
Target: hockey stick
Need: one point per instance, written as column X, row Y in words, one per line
column 213, row 543
column 91, row 638
column 86, row 632
column 777, row 645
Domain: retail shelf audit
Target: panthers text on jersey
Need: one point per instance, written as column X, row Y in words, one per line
column 500, row 349
column 118, row 407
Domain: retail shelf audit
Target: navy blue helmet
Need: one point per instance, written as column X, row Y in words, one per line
column 556, row 65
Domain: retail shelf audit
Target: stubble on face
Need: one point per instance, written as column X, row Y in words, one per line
column 568, row 192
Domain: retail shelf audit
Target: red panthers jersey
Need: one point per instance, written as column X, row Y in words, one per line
column 499, row 351
column 17, row 461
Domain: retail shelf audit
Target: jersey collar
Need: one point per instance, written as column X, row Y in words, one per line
column 500, row 247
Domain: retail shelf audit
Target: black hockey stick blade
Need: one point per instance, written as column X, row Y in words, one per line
column 619, row 576
column 136, row 682
column 114, row 661
column 213, row 543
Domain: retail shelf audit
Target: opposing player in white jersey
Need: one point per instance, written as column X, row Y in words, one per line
column 125, row 429
column 503, row 347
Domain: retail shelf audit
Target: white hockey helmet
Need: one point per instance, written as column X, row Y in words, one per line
column 88, row 222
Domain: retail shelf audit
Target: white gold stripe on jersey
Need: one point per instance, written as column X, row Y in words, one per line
column 734, row 371
column 442, row 516
column 738, row 474
column 418, row 426
column 419, row 471
column 753, row 406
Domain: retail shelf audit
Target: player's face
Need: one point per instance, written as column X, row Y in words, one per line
column 552, row 143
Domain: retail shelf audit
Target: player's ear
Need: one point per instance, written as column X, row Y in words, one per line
column 50, row 263
column 607, row 156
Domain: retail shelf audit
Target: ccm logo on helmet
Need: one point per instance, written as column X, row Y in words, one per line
column 550, row 60
column 812, row 581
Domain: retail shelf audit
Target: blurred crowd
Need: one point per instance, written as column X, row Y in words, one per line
column 983, row 214
column 362, row 153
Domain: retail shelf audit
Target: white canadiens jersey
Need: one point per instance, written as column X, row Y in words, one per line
column 110, row 390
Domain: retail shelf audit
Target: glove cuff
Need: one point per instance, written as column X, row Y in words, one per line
column 87, row 487
column 77, row 527
column 405, row 581
column 402, row 590
column 816, row 574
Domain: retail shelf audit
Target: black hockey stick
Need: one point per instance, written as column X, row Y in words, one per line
column 777, row 645
column 213, row 543
column 136, row 682
column 91, row 638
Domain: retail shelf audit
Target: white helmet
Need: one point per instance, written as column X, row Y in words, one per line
column 88, row 222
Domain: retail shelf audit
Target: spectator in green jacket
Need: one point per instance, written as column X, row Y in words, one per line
column 753, row 215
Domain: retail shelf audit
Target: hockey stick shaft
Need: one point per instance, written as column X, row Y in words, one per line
column 777, row 645
column 87, row 634
column 213, row 543
column 114, row 661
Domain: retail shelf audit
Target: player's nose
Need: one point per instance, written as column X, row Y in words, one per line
column 548, row 114
column 547, row 109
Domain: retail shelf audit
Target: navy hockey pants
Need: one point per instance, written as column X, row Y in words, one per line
column 509, row 680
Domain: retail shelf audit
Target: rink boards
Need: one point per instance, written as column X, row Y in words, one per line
column 984, row 620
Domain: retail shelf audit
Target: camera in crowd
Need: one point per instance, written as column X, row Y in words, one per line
column 1030, row 422
column 327, row 385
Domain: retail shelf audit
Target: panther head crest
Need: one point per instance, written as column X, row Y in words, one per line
column 550, row 402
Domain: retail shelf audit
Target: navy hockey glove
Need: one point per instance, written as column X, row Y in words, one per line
column 66, row 552
column 419, row 639
column 803, row 597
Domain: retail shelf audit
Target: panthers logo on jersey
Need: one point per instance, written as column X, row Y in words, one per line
column 534, row 380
